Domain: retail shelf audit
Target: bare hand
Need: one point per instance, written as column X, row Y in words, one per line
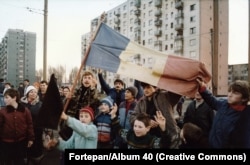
column 30, row 143
column 160, row 119
column 113, row 111
column 64, row 116
column 153, row 124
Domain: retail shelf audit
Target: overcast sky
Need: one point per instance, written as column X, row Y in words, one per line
column 69, row 19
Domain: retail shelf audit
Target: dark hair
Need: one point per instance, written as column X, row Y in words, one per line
column 143, row 117
column 12, row 93
column 44, row 82
column 119, row 81
column 26, row 80
column 242, row 87
column 143, row 84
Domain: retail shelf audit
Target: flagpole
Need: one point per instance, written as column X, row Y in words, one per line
column 84, row 60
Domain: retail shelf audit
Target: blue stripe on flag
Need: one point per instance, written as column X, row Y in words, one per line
column 106, row 49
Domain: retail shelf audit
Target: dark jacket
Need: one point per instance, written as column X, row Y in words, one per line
column 201, row 116
column 226, row 122
column 16, row 125
column 144, row 142
column 163, row 101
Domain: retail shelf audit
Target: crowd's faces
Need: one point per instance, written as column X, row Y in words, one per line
column 140, row 129
column 118, row 86
column 198, row 97
column 61, row 91
column 234, row 98
column 9, row 100
column 32, row 95
column 128, row 95
column 87, row 80
column 66, row 91
column 148, row 90
column 104, row 108
column 85, row 117
column 26, row 83
column 43, row 87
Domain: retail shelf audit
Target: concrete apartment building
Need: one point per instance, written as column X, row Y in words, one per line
column 18, row 56
column 196, row 29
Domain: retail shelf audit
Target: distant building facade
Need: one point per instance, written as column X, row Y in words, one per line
column 237, row 72
column 196, row 29
column 18, row 56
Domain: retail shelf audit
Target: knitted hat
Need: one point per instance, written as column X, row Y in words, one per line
column 88, row 110
column 133, row 90
column 108, row 100
column 29, row 88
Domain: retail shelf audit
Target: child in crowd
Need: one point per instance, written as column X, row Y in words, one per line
column 139, row 137
column 103, row 123
column 16, row 129
column 231, row 125
column 84, row 132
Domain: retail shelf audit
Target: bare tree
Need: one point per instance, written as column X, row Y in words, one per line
column 72, row 75
column 59, row 73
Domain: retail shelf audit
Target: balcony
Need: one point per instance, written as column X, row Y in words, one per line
column 137, row 3
column 158, row 3
column 137, row 39
column 137, row 12
column 178, row 49
column 117, row 13
column 178, row 38
column 179, row 27
column 179, row 5
column 137, row 29
column 158, row 13
column 179, row 15
column 117, row 21
column 158, row 43
column 158, row 33
column 158, row 22
column 137, row 21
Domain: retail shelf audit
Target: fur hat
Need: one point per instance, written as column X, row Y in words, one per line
column 133, row 90
column 29, row 88
column 108, row 100
column 88, row 110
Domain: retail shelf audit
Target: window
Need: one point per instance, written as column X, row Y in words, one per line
column 192, row 30
column 192, row 7
column 150, row 13
column 192, row 19
column 150, row 41
column 150, row 31
column 171, row 46
column 166, row 47
column 150, row 22
column 192, row 42
column 192, row 54
column 166, row 37
column 166, row 27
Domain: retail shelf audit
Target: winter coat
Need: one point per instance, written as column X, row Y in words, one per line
column 84, row 136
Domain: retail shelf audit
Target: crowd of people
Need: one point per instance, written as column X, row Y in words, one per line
column 134, row 117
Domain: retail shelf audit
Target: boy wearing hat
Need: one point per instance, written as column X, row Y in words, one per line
column 103, row 123
column 125, row 109
column 84, row 132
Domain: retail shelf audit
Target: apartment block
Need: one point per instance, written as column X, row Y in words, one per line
column 196, row 29
column 18, row 56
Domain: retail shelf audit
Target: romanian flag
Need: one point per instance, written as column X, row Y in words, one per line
column 115, row 53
